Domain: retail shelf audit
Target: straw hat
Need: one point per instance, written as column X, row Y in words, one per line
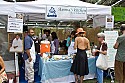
column 80, row 30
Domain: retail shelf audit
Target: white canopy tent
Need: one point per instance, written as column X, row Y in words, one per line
column 40, row 6
column 35, row 10
column 6, row 7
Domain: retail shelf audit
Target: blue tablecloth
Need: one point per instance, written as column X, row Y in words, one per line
column 61, row 68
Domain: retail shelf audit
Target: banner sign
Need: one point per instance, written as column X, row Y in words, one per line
column 110, row 38
column 66, row 12
column 15, row 23
column 119, row 13
column 109, row 22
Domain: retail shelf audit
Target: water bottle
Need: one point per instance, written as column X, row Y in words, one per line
column 94, row 49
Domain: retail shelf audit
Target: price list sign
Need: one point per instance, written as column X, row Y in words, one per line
column 110, row 38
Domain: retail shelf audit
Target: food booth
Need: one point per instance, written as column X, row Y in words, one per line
column 57, row 69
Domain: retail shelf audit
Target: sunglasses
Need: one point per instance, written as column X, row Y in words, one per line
column 31, row 32
column 99, row 37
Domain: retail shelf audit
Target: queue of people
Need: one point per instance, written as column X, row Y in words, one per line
column 30, row 50
column 77, row 43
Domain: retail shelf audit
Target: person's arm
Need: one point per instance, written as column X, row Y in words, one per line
column 2, row 65
column 50, row 39
column 103, row 52
column 76, row 43
column 88, row 46
column 29, row 56
column 116, row 45
column 20, row 43
column 68, row 42
column 28, row 46
column 104, row 49
column 56, row 43
column 14, row 45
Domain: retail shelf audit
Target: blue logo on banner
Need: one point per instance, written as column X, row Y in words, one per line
column 52, row 12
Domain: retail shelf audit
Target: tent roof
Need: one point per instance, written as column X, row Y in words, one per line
column 35, row 10
column 40, row 6
column 6, row 7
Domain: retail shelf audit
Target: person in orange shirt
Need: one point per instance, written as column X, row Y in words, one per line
column 80, row 63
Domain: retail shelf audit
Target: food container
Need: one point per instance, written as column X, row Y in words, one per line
column 44, row 47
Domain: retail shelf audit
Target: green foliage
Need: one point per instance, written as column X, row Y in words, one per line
column 119, row 13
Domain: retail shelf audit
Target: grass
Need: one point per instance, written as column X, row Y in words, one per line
column 106, row 80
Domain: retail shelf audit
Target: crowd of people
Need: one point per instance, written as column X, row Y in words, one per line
column 76, row 43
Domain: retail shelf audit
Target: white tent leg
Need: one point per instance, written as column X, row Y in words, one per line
column 16, row 68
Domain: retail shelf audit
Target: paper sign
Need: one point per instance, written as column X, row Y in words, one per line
column 15, row 23
column 109, row 22
column 110, row 38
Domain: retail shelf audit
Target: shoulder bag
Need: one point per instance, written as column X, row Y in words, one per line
column 102, row 61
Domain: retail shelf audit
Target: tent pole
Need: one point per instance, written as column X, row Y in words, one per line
column 116, row 3
column 16, row 67
column 98, row 1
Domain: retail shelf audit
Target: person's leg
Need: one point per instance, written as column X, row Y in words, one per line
column 26, row 71
column 119, row 71
column 81, row 79
column 99, row 75
column 76, row 78
column 29, row 71
column 121, row 81
column 124, row 72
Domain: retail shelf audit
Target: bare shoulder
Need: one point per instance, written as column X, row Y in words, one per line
column 86, row 39
column 76, row 38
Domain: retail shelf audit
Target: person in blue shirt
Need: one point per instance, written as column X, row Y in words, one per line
column 70, row 43
column 29, row 56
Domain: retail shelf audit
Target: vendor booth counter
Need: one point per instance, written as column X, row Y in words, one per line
column 59, row 71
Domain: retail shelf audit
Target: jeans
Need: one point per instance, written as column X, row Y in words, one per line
column 99, row 73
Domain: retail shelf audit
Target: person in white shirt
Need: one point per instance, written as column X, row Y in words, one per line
column 17, row 44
